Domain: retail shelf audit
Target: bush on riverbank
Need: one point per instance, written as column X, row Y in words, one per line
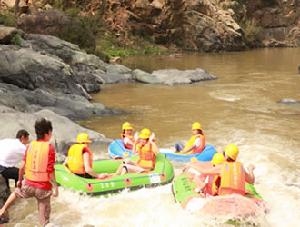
column 81, row 30
column 109, row 44
column 7, row 18
column 251, row 32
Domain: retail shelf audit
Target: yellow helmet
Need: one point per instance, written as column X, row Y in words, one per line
column 218, row 159
column 231, row 151
column 127, row 126
column 145, row 133
column 83, row 138
column 196, row 125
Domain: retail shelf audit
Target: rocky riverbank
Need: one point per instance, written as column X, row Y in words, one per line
column 44, row 75
column 205, row 25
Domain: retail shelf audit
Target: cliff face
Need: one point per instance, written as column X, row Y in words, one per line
column 279, row 21
column 198, row 25
column 192, row 25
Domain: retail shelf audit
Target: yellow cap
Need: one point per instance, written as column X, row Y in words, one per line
column 196, row 125
column 231, row 151
column 83, row 138
column 145, row 133
column 218, row 159
column 127, row 126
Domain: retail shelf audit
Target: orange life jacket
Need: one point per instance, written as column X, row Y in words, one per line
column 232, row 179
column 146, row 156
column 191, row 142
column 36, row 162
column 75, row 160
column 211, row 184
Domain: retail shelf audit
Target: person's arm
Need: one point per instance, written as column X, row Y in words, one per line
column 196, row 144
column 88, row 168
column 21, row 174
column 50, row 169
column 154, row 148
column 249, row 175
column 54, row 184
column 187, row 149
column 213, row 170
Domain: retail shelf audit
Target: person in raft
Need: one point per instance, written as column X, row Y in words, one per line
column 80, row 158
column 232, row 173
column 12, row 152
column 146, row 148
column 196, row 143
column 127, row 135
column 38, row 166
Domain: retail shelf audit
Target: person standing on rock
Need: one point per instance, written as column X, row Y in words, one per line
column 12, row 152
column 38, row 167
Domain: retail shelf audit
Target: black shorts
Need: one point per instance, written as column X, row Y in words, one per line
column 10, row 173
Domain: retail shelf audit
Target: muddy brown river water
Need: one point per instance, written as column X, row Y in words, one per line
column 240, row 107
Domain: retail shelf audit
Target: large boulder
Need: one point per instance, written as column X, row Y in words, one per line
column 35, row 70
column 144, row 77
column 174, row 76
column 69, row 105
column 7, row 34
column 116, row 74
column 70, row 53
column 64, row 130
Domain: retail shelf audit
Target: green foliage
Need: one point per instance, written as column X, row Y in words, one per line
column 112, row 47
column 16, row 39
column 251, row 31
column 81, row 30
column 7, row 18
column 73, row 12
column 269, row 2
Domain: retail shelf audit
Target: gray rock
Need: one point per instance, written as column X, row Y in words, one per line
column 117, row 69
column 7, row 33
column 64, row 130
column 92, row 88
column 289, row 101
column 143, row 77
column 4, row 193
column 174, row 76
column 33, row 70
column 70, row 105
column 109, row 78
column 68, row 52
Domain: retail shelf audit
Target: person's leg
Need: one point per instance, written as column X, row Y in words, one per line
column 44, row 208
column 11, row 199
column 120, row 170
column 179, row 147
column 134, row 168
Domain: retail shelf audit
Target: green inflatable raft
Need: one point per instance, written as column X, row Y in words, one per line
column 184, row 188
column 162, row 174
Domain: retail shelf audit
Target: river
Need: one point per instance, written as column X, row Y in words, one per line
column 240, row 107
